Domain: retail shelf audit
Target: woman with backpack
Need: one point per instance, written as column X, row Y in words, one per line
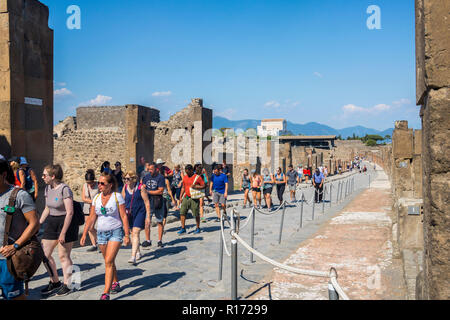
column 280, row 181
column 24, row 225
column 176, row 184
column 112, row 229
column 60, row 231
column 267, row 185
column 27, row 178
column 90, row 190
column 135, row 205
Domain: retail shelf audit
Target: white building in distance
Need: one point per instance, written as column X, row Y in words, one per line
column 272, row 127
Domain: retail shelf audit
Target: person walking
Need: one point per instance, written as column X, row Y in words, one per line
column 118, row 174
column 60, row 229
column 14, row 164
column 176, row 185
column 24, row 226
column 267, row 184
column 318, row 180
column 169, row 201
column 27, row 177
column 245, row 186
column 293, row 180
column 106, row 167
column 219, row 190
column 206, row 181
column 137, row 207
column 90, row 190
column 300, row 173
column 256, row 181
column 112, row 229
column 280, row 182
column 154, row 184
column 191, row 181
column 198, row 171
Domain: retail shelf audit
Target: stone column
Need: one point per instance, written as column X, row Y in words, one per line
column 433, row 94
column 26, row 82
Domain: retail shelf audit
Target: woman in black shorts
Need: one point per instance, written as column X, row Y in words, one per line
column 60, row 229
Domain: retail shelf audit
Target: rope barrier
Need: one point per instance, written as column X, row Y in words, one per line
column 332, row 274
column 248, row 218
column 273, row 212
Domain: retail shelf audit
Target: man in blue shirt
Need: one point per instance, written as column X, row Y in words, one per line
column 154, row 183
column 219, row 189
column 318, row 180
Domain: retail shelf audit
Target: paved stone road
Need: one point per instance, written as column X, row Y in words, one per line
column 187, row 267
column 358, row 243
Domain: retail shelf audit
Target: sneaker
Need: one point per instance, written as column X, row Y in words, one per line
column 203, row 219
column 105, row 297
column 132, row 261
column 197, row 231
column 115, row 288
column 63, row 291
column 182, row 230
column 138, row 256
column 92, row 249
column 146, row 245
column 217, row 219
column 244, row 206
column 160, row 244
column 51, row 288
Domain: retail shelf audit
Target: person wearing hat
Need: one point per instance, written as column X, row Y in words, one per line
column 28, row 181
column 165, row 171
column 318, row 179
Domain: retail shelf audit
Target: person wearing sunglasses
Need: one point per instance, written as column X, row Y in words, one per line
column 60, row 229
column 113, row 229
column 138, row 211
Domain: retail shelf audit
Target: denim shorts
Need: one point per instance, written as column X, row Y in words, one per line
column 103, row 237
column 11, row 288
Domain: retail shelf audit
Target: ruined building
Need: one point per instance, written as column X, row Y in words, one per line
column 26, row 82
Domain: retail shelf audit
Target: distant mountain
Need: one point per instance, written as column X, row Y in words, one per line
column 308, row 129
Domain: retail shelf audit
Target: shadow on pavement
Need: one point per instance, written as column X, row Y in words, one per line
column 100, row 279
column 162, row 252
column 182, row 240
column 156, row 280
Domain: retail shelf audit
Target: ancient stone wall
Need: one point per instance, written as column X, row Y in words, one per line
column 433, row 94
column 86, row 142
column 195, row 120
column 26, row 82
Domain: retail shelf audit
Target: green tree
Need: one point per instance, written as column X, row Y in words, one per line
column 371, row 143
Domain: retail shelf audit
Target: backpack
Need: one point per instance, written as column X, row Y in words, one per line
column 78, row 213
column 27, row 259
column 29, row 185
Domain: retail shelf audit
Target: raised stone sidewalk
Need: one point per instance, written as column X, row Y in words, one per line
column 358, row 243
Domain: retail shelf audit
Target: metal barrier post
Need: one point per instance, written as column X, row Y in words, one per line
column 331, row 193
column 338, row 190
column 301, row 211
column 234, row 273
column 252, row 233
column 220, row 255
column 313, row 207
column 281, row 226
column 332, row 293
column 323, row 198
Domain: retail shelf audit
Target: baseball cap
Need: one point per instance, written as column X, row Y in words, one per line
column 23, row 160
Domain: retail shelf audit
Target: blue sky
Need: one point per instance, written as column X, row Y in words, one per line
column 301, row 60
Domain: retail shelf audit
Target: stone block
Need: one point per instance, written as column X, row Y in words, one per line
column 437, row 43
column 417, row 142
column 402, row 143
column 421, row 87
column 5, row 86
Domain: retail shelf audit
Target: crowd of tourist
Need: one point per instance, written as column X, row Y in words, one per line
column 120, row 205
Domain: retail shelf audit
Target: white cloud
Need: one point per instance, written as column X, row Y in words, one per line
column 402, row 102
column 162, row 94
column 352, row 109
column 100, row 100
column 62, row 92
column 317, row 74
column 59, row 84
column 272, row 104
column 228, row 113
